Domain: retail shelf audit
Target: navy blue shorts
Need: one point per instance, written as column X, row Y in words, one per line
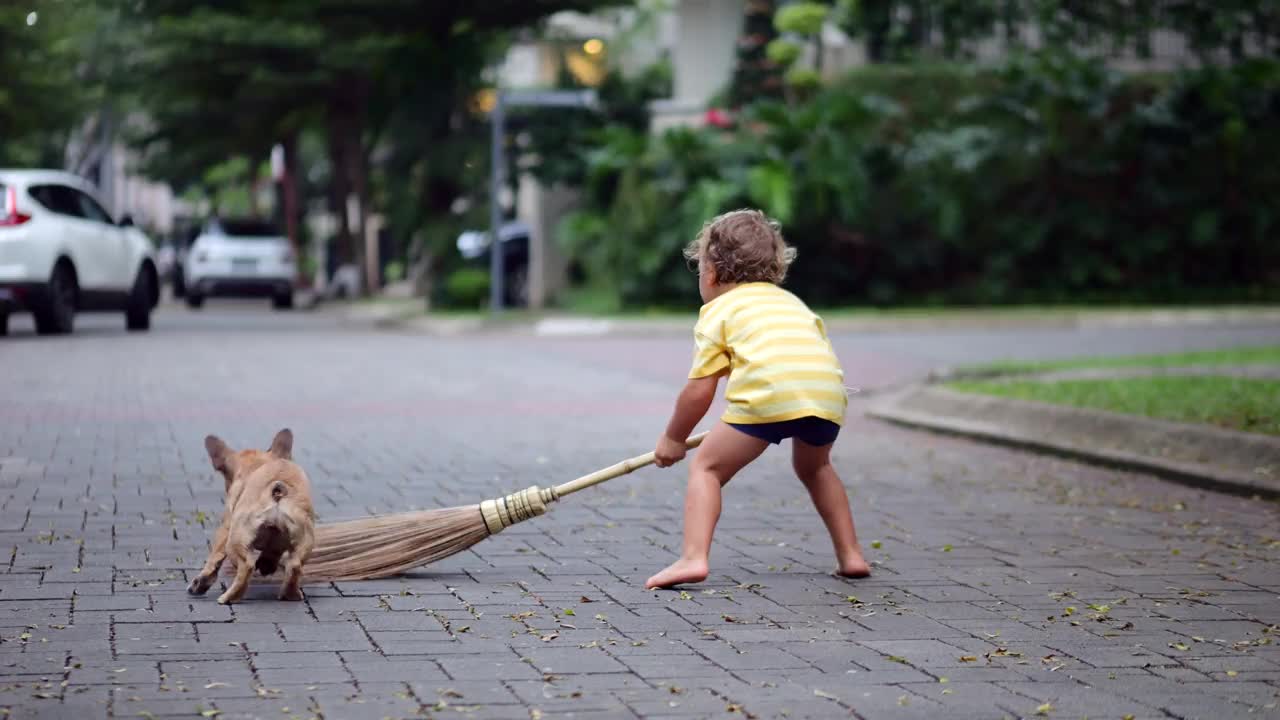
column 810, row 430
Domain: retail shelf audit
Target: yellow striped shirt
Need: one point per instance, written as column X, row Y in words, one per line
column 780, row 361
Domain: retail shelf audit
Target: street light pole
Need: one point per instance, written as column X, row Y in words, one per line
column 497, row 122
column 498, row 160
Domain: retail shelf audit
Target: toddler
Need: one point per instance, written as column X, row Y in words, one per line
column 784, row 382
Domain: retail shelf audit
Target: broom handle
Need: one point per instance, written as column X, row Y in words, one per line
column 622, row 468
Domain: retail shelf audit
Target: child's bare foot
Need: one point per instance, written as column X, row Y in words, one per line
column 853, row 565
column 678, row 573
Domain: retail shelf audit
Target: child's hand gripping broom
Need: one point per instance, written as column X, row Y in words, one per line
column 386, row 545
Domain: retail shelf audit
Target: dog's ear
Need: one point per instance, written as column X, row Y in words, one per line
column 282, row 444
column 219, row 454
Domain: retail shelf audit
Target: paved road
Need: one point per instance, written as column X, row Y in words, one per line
column 1005, row 584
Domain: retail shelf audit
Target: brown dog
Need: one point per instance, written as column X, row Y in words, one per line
column 268, row 517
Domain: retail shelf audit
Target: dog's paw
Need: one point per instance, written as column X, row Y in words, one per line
column 225, row 598
column 293, row 594
column 200, row 585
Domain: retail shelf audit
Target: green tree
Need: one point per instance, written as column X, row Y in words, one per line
column 41, row 97
column 757, row 75
column 250, row 73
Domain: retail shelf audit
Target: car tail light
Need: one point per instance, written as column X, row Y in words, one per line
column 12, row 216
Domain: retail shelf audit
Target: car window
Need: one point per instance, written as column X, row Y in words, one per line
column 90, row 208
column 57, row 198
column 243, row 228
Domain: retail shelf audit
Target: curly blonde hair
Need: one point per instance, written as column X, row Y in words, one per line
column 743, row 246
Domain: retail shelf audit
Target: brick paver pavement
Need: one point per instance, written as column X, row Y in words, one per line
column 1006, row 584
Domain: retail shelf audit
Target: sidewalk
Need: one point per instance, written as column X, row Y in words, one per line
column 407, row 315
column 1213, row 458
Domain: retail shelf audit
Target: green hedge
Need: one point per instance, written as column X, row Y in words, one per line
column 1050, row 179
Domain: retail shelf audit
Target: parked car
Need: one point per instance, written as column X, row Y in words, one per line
column 473, row 245
column 61, row 253
column 240, row 258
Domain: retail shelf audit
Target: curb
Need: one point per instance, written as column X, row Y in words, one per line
column 1249, row 464
column 411, row 318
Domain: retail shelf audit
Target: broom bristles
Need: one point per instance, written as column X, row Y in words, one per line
column 383, row 546
column 387, row 545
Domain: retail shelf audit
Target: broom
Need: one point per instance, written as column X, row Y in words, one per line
column 386, row 545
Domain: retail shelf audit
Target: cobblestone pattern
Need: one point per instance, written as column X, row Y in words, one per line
column 1005, row 584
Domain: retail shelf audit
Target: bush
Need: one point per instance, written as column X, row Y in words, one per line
column 466, row 288
column 1050, row 179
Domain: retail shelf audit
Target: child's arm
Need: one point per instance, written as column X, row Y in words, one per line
column 694, row 401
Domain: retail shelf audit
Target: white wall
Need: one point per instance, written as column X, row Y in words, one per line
column 706, row 34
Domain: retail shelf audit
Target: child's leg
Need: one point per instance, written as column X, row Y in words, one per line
column 721, row 456
column 813, row 467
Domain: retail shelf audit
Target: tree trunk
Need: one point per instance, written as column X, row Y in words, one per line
column 349, row 159
column 289, row 186
column 338, row 190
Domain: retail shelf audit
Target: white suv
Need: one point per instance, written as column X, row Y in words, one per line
column 61, row 253
column 240, row 258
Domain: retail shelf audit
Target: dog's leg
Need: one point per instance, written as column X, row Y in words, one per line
column 209, row 573
column 292, row 587
column 241, row 582
column 218, row 553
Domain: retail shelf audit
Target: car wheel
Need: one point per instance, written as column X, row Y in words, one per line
column 137, row 315
column 179, row 283
column 194, row 301
column 4, row 323
column 56, row 311
column 282, row 301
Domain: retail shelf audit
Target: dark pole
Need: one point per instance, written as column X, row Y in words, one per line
column 495, row 208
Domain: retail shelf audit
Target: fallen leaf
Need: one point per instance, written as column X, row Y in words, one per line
column 1071, row 610
column 585, row 599
column 685, row 596
column 213, row 685
column 549, row 638
column 1179, row 646
column 826, row 695
column 1044, row 709
column 569, row 611
column 968, row 658
column 895, row 658
column 852, row 599
column 903, row 701
column 946, row 548
column 211, row 713
column 944, row 680
column 464, row 628
column 1232, row 673
column 875, row 544
column 729, row 618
